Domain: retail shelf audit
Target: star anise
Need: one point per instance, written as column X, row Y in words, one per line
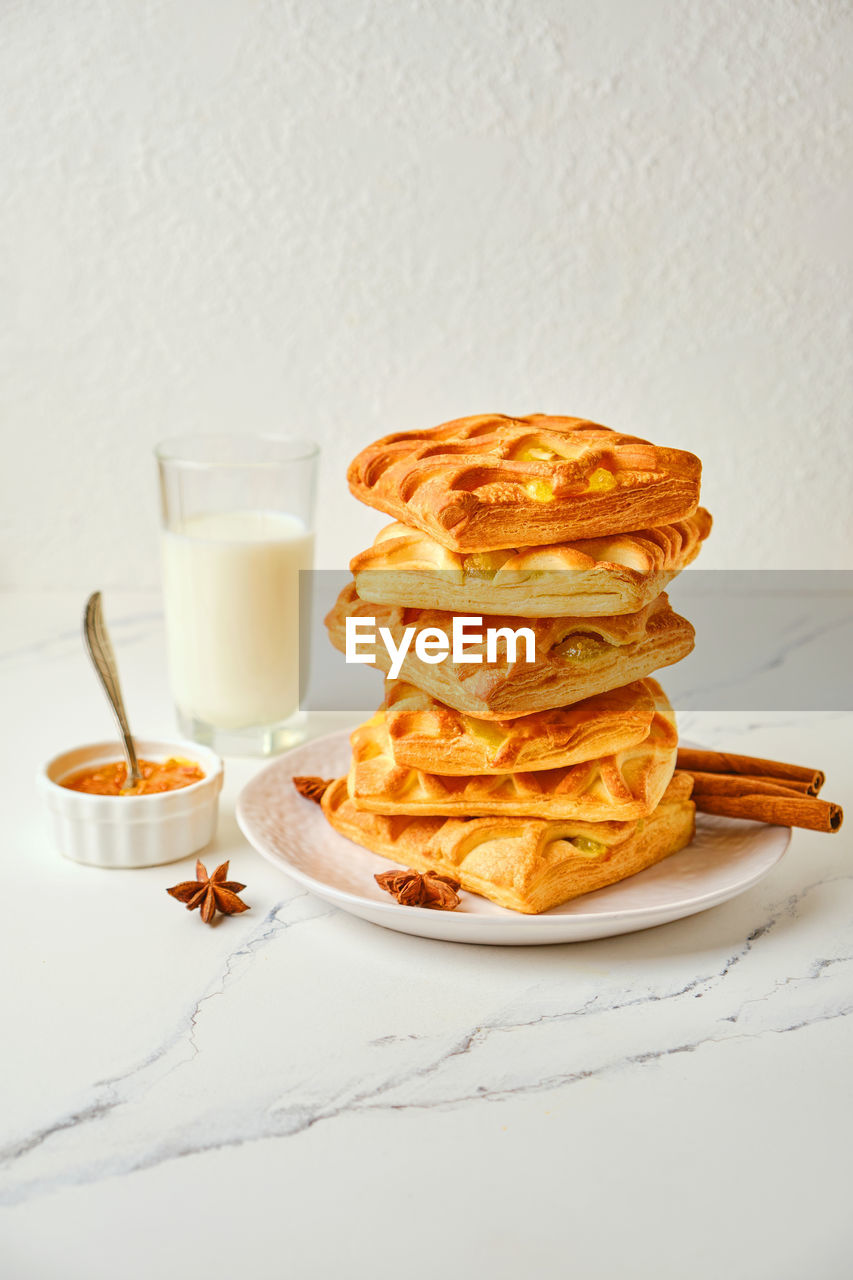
column 211, row 893
column 312, row 788
column 411, row 889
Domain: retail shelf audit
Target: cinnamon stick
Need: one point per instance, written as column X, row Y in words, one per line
column 727, row 784
column 695, row 761
column 783, row 811
column 801, row 788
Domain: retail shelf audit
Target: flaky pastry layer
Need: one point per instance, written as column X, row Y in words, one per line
column 427, row 734
column 525, row 864
column 621, row 786
column 486, row 482
column 619, row 574
column 575, row 657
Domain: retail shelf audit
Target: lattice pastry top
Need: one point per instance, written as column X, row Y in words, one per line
column 427, row 734
column 575, row 657
column 487, row 482
column 627, row 784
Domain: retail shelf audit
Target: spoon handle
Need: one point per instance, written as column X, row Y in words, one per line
column 103, row 659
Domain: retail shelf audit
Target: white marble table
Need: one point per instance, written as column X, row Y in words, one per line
column 297, row 1093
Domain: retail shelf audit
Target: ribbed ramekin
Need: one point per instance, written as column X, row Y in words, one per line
column 132, row 831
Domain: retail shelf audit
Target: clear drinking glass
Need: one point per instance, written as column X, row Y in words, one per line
column 238, row 525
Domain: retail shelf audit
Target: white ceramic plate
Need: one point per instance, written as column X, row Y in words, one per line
column 726, row 857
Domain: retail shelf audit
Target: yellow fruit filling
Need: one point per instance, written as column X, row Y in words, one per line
column 490, row 735
column 484, row 564
column 535, row 453
column 539, row 491
column 601, row 481
column 593, row 848
column 582, row 648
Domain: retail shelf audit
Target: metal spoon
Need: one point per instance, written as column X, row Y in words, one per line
column 100, row 650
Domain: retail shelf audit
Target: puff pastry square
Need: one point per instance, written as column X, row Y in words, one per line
column 619, row 574
column 525, row 864
column 575, row 657
column 487, row 482
column 625, row 785
column 426, row 734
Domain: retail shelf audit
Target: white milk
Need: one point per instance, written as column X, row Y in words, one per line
column 231, row 583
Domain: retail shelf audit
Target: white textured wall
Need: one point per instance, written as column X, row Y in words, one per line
column 345, row 218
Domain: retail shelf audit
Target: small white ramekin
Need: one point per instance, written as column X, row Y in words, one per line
column 132, row 831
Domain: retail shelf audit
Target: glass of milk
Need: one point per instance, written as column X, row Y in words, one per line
column 238, row 515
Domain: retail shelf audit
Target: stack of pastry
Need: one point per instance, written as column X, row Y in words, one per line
column 528, row 782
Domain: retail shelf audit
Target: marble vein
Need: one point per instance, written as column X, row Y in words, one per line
column 169, row 1055
column 508, row 1054
column 772, row 662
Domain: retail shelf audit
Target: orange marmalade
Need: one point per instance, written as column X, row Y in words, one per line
column 108, row 779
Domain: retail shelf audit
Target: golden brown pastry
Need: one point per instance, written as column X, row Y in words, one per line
column 526, row 864
column 625, row 785
column 575, row 657
column 426, row 734
column 486, row 482
column 619, row 574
